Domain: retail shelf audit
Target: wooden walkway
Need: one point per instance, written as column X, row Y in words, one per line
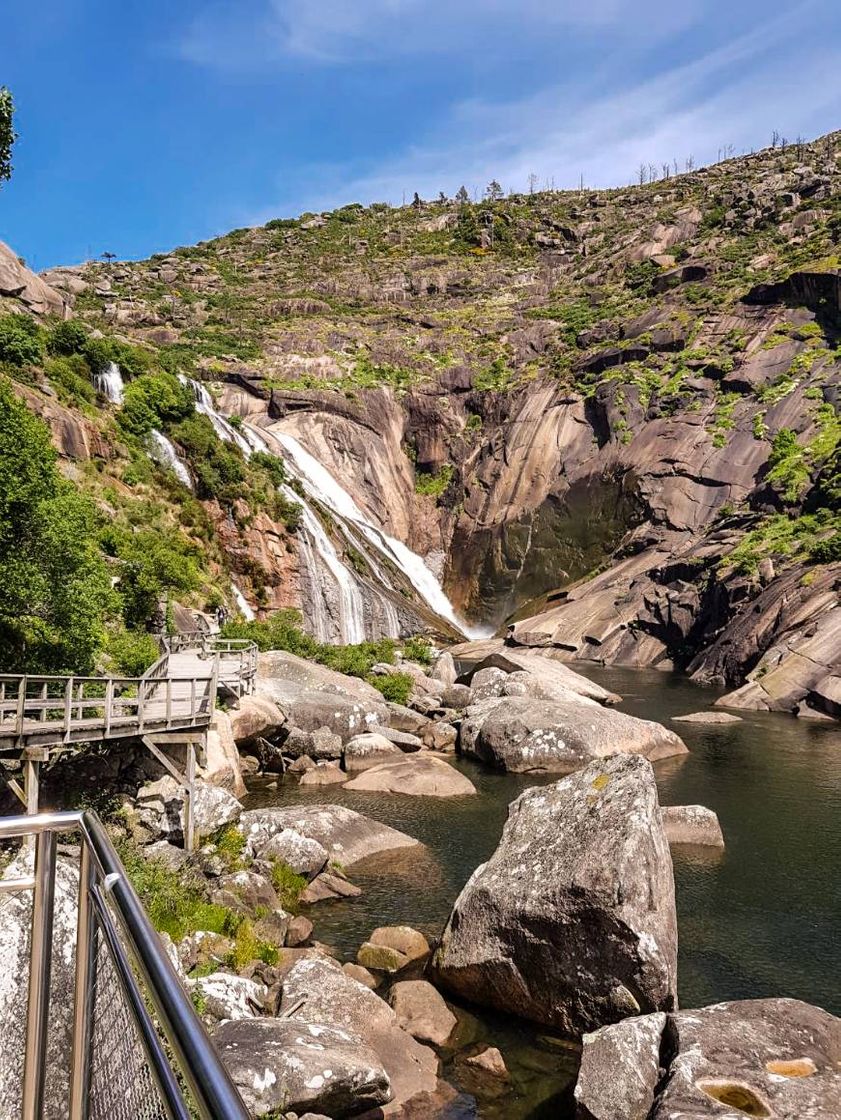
column 172, row 704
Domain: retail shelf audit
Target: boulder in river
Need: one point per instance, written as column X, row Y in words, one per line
column 347, row 836
column 392, row 948
column 521, row 734
column 255, row 716
column 546, row 675
column 693, row 825
column 370, row 749
column 324, row 774
column 571, row 922
column 421, row 1011
column 301, row 854
column 417, row 775
column 282, row 1064
column 777, row 1058
column 708, row 717
column 343, row 715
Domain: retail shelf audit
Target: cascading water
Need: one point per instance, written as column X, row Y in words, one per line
column 242, row 603
column 163, row 452
column 223, row 427
column 322, row 486
column 109, row 382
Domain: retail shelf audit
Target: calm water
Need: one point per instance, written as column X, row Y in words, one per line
column 764, row 919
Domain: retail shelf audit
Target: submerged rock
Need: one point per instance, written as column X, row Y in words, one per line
column 571, row 922
column 707, row 717
column 521, row 734
column 765, row 1058
column 418, row 775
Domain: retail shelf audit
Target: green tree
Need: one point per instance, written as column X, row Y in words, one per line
column 494, row 191
column 20, row 340
column 7, row 133
column 55, row 592
column 155, row 400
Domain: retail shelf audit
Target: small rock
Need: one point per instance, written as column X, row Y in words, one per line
column 301, row 765
column 327, row 886
column 691, row 824
column 299, row 931
column 325, row 774
column 421, row 1011
column 360, row 974
column 392, row 948
column 365, row 751
column 407, row 742
column 440, row 736
column 230, row 997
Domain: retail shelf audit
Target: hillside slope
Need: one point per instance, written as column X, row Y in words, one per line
column 640, row 383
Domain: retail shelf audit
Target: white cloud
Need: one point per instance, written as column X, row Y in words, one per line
column 734, row 95
column 252, row 32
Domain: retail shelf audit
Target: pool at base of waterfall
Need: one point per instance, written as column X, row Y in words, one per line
column 761, row 919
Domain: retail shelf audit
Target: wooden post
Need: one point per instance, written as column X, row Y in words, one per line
column 189, row 821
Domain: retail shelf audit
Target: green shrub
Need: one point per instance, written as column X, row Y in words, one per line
column 288, row 884
column 230, row 845
column 396, row 687
column 20, row 340
column 71, row 377
column 67, row 337
column 418, row 649
column 434, row 484
column 155, row 400
column 219, row 468
column 132, row 652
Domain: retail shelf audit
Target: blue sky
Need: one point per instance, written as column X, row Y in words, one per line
column 147, row 124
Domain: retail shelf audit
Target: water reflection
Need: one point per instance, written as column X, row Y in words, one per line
column 760, row 919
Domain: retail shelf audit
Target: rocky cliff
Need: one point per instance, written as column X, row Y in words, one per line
column 609, row 419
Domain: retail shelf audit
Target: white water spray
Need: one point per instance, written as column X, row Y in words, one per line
column 242, row 603
column 109, row 382
column 163, row 452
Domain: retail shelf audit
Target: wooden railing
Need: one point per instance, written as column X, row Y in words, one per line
column 48, row 710
column 236, row 657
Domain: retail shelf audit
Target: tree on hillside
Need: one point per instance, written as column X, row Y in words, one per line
column 494, row 191
column 7, row 133
column 55, row 591
column 462, row 196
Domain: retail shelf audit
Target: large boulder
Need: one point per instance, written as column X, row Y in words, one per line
column 571, row 922
column 255, row 716
column 767, row 1057
column 284, row 1064
column 300, row 853
column 17, row 282
column 283, row 676
column 346, row 717
column 521, row 734
column 221, row 762
column 365, row 751
column 330, row 996
column 348, row 837
column 417, row 775
column 542, row 676
column 321, row 745
column 161, row 809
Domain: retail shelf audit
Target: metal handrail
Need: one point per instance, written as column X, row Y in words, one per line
column 106, row 894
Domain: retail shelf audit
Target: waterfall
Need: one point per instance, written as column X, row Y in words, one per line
column 223, row 427
column 109, row 382
column 163, row 452
column 244, row 609
column 322, row 486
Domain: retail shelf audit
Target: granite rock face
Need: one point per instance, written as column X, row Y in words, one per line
column 521, row 734
column 571, row 922
column 347, row 836
column 764, row 1058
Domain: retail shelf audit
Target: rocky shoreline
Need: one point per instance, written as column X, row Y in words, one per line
column 571, row 923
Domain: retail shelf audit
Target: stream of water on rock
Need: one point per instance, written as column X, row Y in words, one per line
column 763, row 919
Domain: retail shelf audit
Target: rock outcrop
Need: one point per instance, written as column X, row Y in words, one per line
column 347, row 836
column 767, row 1057
column 571, row 922
column 416, row 775
column 521, row 734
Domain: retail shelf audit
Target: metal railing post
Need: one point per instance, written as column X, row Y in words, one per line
column 190, row 807
column 83, row 992
column 40, row 953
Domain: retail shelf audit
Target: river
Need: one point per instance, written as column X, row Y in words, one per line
column 763, row 919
